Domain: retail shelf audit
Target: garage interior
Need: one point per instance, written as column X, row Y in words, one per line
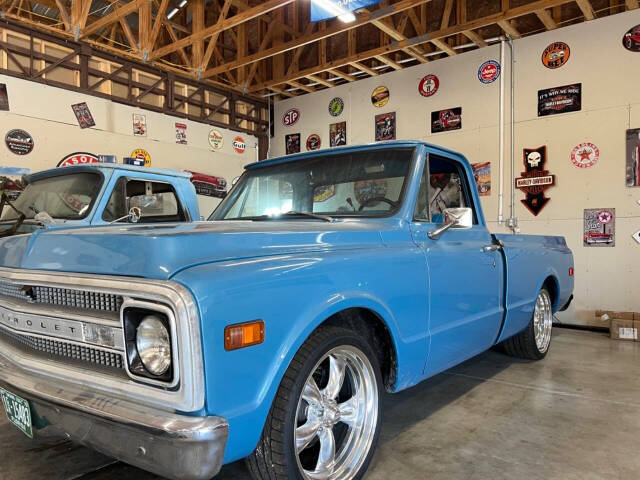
column 210, row 86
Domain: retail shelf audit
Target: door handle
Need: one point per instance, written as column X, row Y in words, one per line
column 491, row 248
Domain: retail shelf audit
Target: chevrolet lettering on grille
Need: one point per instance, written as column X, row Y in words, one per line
column 84, row 332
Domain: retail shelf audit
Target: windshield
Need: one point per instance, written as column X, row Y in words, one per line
column 66, row 197
column 366, row 183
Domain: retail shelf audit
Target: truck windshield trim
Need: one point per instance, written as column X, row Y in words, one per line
column 361, row 183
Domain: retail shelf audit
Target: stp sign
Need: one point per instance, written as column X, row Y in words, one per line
column 290, row 117
column 239, row 145
column 78, row 158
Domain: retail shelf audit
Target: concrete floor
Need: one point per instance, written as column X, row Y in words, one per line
column 575, row 415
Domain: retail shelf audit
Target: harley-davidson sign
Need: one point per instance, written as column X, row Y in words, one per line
column 552, row 101
column 535, row 179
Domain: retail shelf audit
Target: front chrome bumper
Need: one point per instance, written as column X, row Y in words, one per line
column 168, row 444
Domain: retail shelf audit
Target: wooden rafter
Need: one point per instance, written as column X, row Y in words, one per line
column 362, row 19
column 223, row 25
column 118, row 13
column 586, row 8
column 546, row 19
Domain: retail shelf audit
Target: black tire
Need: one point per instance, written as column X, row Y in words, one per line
column 524, row 345
column 275, row 456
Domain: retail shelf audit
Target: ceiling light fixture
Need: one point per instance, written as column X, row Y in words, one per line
column 343, row 14
column 172, row 13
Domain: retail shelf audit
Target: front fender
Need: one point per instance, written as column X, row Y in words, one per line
column 293, row 295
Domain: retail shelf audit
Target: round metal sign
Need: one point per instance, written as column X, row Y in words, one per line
column 380, row 97
column 489, row 71
column 336, row 106
column 428, row 85
column 78, row 158
column 238, row 145
column 605, row 217
column 585, row 155
column 556, row 55
column 313, row 142
column 19, row 141
column 216, row 140
column 142, row 154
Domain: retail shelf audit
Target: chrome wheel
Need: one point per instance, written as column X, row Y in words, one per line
column 337, row 416
column 543, row 321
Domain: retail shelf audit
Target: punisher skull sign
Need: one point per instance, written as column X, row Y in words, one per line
column 535, row 179
column 534, row 158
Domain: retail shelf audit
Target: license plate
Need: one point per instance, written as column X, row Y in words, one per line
column 18, row 411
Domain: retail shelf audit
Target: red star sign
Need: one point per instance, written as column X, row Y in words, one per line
column 585, row 154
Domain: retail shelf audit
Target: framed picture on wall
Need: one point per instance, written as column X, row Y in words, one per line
column 633, row 157
column 292, row 143
column 385, row 126
column 338, row 134
column 83, row 115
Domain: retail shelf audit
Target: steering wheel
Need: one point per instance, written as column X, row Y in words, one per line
column 376, row 199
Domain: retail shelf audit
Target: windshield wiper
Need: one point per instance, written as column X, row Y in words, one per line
column 292, row 213
column 325, row 218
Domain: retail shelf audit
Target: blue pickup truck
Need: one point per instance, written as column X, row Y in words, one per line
column 99, row 194
column 270, row 331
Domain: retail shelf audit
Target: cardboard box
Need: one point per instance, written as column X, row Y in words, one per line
column 622, row 329
column 619, row 315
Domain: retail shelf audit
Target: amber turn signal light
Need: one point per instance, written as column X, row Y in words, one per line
column 571, row 271
column 243, row 335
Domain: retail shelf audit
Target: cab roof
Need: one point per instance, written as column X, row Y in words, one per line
column 356, row 148
column 52, row 172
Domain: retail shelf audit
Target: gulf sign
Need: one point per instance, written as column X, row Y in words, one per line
column 239, row 145
column 78, row 158
column 290, row 117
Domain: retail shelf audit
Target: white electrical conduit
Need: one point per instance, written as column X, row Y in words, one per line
column 501, row 136
column 513, row 221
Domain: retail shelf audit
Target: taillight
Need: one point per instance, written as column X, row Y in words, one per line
column 571, row 271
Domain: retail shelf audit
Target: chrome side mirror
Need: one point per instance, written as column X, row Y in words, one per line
column 135, row 214
column 453, row 218
column 234, row 181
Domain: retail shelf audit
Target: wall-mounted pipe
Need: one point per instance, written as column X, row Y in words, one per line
column 512, row 222
column 501, row 138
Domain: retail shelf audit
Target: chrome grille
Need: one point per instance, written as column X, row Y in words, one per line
column 67, row 350
column 66, row 297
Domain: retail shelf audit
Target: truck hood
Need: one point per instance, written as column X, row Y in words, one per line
column 160, row 251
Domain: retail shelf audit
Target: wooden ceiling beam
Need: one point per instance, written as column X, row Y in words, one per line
column 509, row 29
column 546, row 19
column 587, row 9
column 418, row 40
column 299, row 85
column 117, row 14
column 321, row 81
column 223, row 25
column 362, row 19
column 442, row 45
column 364, row 68
column 338, row 73
column 281, row 91
column 64, row 15
column 415, row 52
column 214, row 38
column 475, row 38
column 388, row 61
column 157, row 24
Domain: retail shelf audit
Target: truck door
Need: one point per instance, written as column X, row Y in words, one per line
column 465, row 269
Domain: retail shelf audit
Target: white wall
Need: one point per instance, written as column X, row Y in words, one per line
column 605, row 277
column 45, row 112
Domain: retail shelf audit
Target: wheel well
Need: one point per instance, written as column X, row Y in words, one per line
column 368, row 323
column 552, row 287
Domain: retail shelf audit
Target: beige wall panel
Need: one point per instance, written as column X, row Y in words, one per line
column 605, row 277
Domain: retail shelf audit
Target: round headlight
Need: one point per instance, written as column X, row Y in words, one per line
column 154, row 345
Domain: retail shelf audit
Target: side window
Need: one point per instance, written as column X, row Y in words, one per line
column 447, row 188
column 157, row 201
